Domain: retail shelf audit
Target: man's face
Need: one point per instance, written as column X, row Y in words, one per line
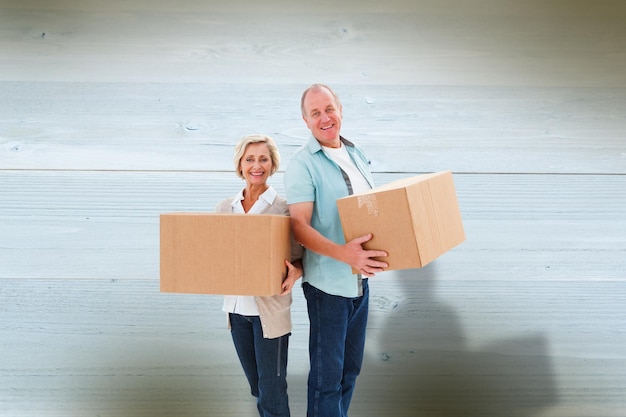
column 322, row 116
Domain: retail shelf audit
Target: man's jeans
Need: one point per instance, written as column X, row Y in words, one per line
column 264, row 362
column 336, row 345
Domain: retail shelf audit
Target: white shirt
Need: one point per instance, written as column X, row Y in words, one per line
column 246, row 304
column 342, row 158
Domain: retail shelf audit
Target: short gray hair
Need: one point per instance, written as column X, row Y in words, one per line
column 318, row 86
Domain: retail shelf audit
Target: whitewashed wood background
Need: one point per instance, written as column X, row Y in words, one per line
column 113, row 112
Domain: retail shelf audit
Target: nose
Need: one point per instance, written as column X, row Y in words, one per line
column 325, row 117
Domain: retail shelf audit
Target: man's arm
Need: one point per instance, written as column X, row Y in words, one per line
column 351, row 253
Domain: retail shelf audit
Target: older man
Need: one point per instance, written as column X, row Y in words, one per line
column 326, row 168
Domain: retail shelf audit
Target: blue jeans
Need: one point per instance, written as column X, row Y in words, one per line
column 336, row 346
column 264, row 363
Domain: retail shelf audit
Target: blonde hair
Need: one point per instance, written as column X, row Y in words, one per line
column 243, row 143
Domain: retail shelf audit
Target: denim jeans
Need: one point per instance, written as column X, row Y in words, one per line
column 264, row 363
column 336, row 346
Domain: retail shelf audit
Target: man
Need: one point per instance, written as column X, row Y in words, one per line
column 329, row 167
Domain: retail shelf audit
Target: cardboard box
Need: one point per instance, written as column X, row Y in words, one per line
column 414, row 220
column 223, row 253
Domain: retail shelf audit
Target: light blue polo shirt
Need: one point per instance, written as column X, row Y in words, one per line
column 313, row 176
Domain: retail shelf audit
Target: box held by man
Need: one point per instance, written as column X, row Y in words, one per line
column 414, row 219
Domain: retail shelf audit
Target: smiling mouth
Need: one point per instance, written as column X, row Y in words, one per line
column 327, row 127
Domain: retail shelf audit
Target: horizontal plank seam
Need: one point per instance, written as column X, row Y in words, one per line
column 280, row 171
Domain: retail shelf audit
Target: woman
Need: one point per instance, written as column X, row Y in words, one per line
column 260, row 326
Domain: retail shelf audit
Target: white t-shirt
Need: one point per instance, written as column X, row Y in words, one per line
column 342, row 158
column 246, row 304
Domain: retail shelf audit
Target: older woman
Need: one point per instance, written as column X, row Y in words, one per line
column 260, row 326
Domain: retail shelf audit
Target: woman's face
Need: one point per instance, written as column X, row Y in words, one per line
column 256, row 164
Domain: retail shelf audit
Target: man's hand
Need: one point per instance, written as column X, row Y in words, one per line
column 351, row 253
column 362, row 259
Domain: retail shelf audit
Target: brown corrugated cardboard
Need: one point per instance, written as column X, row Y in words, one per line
column 414, row 220
column 218, row 253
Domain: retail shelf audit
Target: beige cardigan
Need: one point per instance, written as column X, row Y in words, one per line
column 274, row 311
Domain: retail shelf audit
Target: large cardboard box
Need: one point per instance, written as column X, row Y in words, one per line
column 220, row 253
column 414, row 220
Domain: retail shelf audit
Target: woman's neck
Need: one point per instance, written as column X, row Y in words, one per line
column 251, row 194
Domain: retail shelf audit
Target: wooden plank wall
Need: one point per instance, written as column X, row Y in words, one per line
column 113, row 112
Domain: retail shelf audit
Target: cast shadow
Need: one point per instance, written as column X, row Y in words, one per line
column 418, row 362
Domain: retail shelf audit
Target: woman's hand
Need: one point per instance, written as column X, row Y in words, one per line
column 294, row 272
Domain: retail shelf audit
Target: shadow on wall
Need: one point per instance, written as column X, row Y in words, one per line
column 154, row 379
column 156, row 355
column 418, row 363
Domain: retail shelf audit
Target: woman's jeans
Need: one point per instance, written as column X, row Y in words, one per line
column 336, row 345
column 264, row 362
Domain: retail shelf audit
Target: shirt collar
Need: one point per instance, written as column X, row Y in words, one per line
column 268, row 196
column 314, row 145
